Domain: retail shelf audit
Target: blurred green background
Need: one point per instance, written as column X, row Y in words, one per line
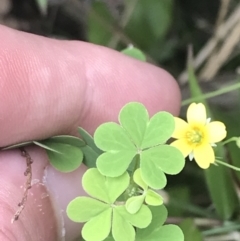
column 204, row 204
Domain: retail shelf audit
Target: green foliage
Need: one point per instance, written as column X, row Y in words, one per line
column 64, row 152
column 134, row 203
column 42, row 5
column 90, row 150
column 137, row 135
column 190, row 230
column 143, row 23
column 102, row 213
column 100, row 24
column 135, row 53
column 149, row 22
column 156, row 231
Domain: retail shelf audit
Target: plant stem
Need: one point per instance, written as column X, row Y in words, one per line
column 227, row 165
column 230, row 140
column 212, row 94
column 219, row 230
column 131, row 190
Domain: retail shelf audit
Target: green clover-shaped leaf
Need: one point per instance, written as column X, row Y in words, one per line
column 137, row 135
column 135, row 53
column 123, row 222
column 104, row 214
column 134, row 203
column 159, row 160
column 153, row 198
column 155, row 231
column 64, row 152
column 106, row 189
column 90, row 150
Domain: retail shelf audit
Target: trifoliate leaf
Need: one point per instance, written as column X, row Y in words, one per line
column 101, row 225
column 134, row 118
column 138, row 136
column 157, row 160
column 133, row 204
column 82, row 209
column 153, row 198
column 63, row 157
column 101, row 216
column 106, row 189
column 115, row 163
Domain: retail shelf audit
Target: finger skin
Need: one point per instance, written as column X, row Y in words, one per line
column 35, row 223
column 49, row 87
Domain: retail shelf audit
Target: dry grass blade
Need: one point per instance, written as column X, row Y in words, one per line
column 124, row 20
column 210, row 46
column 222, row 12
column 218, row 59
column 234, row 236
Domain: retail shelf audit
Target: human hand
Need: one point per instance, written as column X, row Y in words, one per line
column 49, row 87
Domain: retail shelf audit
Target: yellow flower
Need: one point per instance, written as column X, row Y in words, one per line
column 197, row 137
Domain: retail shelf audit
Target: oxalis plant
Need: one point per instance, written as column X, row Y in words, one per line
column 128, row 162
column 123, row 202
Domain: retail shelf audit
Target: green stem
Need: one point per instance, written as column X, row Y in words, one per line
column 229, row 140
column 220, row 230
column 227, row 165
column 137, row 160
column 212, row 94
column 132, row 184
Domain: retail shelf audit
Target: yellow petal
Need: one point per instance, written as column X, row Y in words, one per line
column 182, row 146
column 196, row 113
column 180, row 128
column 216, row 131
column 204, row 156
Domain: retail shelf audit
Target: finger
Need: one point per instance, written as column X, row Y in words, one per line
column 37, row 221
column 44, row 216
column 50, row 87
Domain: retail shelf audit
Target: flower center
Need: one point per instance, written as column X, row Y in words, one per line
column 194, row 136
